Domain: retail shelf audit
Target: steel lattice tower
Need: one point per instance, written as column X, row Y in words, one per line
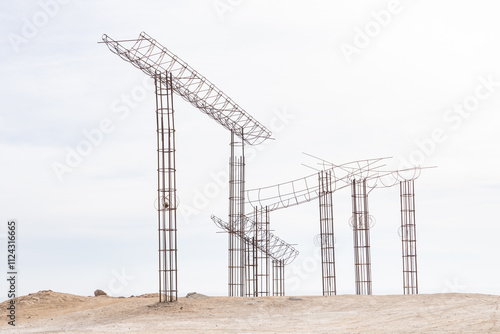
column 167, row 199
column 408, row 237
column 262, row 259
column 278, row 278
column 360, row 223
column 326, row 233
column 152, row 58
column 258, row 256
column 236, row 247
column 251, row 244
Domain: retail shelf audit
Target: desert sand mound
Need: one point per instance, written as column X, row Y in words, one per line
column 53, row 312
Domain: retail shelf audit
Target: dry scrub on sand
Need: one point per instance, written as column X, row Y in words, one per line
column 53, row 312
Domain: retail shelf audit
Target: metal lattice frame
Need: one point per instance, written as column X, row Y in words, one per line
column 366, row 175
column 251, row 268
column 278, row 278
column 306, row 189
column 236, row 261
column 278, row 249
column 327, row 233
column 258, row 261
column 167, row 199
column 263, row 261
column 360, row 223
column 151, row 57
column 408, row 237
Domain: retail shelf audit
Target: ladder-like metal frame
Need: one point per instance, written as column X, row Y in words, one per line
column 408, row 237
column 236, row 248
column 327, row 234
column 360, row 223
column 167, row 198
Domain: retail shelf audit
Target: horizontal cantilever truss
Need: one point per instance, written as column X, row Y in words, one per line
column 151, row 57
column 277, row 249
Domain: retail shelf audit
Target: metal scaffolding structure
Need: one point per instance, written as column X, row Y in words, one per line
column 306, row 189
column 362, row 177
column 327, row 237
column 256, row 257
column 152, row 58
column 277, row 248
column 360, row 223
column 408, row 237
column 271, row 248
column 167, row 198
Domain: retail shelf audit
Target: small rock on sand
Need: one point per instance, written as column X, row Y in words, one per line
column 99, row 293
column 295, row 298
column 195, row 295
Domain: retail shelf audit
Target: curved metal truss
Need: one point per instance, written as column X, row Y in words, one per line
column 298, row 191
column 151, row 57
column 307, row 189
column 277, row 249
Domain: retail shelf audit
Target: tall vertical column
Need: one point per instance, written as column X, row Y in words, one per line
column 258, row 263
column 236, row 214
column 327, row 233
column 408, row 237
column 251, row 251
column 167, row 199
column 360, row 223
column 263, row 263
column 251, row 266
column 278, row 278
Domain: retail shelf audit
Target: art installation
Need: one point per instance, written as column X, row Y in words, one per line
column 257, row 257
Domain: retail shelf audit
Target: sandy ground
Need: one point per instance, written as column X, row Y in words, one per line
column 53, row 312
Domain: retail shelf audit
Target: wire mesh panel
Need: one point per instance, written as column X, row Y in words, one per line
column 167, row 199
column 236, row 216
column 408, row 237
column 360, row 223
column 326, row 233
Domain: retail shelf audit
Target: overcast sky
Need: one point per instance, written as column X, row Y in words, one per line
column 418, row 81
